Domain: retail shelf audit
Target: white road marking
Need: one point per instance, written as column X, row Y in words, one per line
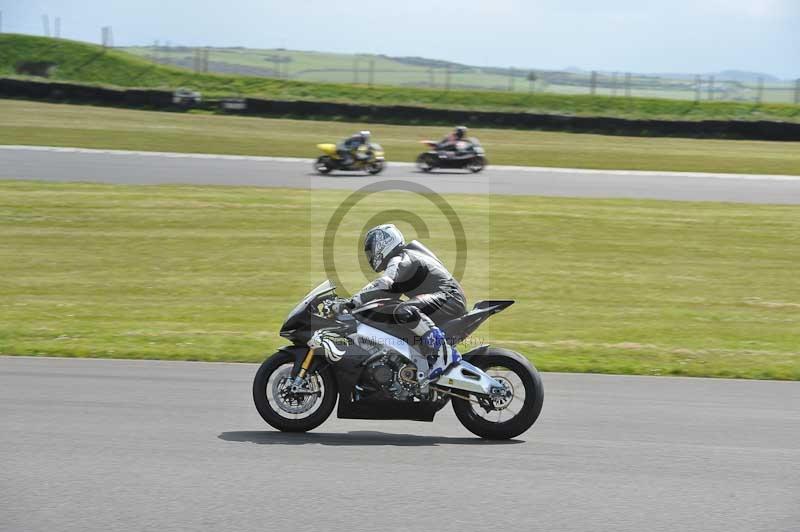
column 532, row 169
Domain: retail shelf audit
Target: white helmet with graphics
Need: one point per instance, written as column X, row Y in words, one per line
column 381, row 243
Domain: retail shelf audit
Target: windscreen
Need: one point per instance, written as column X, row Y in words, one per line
column 322, row 288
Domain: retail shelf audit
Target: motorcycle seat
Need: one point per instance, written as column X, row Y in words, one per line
column 458, row 329
column 455, row 329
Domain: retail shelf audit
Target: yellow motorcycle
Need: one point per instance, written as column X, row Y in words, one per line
column 368, row 158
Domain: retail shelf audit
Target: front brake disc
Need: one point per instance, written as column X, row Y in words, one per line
column 288, row 401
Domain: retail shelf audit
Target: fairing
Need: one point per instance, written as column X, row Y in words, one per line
column 301, row 322
column 369, row 342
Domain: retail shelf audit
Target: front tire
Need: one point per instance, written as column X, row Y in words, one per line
column 375, row 167
column 483, row 424
column 288, row 414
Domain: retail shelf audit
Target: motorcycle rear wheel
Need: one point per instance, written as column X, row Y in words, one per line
column 523, row 378
column 323, row 164
column 476, row 164
column 424, row 163
column 289, row 413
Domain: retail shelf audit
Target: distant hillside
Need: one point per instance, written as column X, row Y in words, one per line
column 60, row 59
column 746, row 77
column 424, row 72
column 430, row 63
column 737, row 76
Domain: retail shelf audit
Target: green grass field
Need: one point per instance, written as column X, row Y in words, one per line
column 85, row 63
column 208, row 273
column 326, row 67
column 24, row 122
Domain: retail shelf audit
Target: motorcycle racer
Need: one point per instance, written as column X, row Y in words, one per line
column 450, row 142
column 348, row 149
column 434, row 295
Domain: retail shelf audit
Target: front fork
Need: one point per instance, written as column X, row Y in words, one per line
column 298, row 384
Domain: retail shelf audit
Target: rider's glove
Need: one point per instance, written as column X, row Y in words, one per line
column 340, row 306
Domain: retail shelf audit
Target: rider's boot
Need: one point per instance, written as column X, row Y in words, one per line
column 439, row 353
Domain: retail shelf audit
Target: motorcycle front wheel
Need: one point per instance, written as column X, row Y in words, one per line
column 323, row 164
column 374, row 167
column 507, row 417
column 288, row 411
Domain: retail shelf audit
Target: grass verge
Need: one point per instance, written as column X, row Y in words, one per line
column 47, row 124
column 208, row 273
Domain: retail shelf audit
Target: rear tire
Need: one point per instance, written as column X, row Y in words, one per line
column 528, row 413
column 424, row 163
column 262, row 391
column 477, row 164
column 323, row 165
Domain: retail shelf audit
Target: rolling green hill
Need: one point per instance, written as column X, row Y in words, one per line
column 61, row 59
column 431, row 73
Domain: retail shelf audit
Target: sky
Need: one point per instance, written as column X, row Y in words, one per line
column 690, row 36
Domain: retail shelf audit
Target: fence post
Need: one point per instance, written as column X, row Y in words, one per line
column 447, row 78
column 355, row 69
column 711, row 87
column 432, row 77
column 108, row 37
column 531, row 81
column 627, row 84
column 371, row 71
column 760, row 93
column 698, row 87
column 797, row 91
column 593, row 83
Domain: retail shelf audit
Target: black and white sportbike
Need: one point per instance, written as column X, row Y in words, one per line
column 376, row 374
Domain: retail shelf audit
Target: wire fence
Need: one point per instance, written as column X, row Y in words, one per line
column 372, row 70
column 440, row 75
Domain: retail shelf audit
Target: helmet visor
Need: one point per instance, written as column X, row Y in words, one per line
column 369, row 249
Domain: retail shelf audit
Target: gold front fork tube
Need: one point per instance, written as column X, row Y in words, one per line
column 306, row 363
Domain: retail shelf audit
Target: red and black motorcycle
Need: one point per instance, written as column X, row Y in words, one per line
column 464, row 154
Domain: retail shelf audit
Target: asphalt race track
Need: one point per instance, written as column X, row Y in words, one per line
column 112, row 445
column 69, row 164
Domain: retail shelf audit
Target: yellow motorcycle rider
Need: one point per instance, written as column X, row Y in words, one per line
column 348, row 149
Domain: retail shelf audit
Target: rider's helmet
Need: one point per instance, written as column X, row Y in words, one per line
column 365, row 136
column 461, row 132
column 381, row 243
